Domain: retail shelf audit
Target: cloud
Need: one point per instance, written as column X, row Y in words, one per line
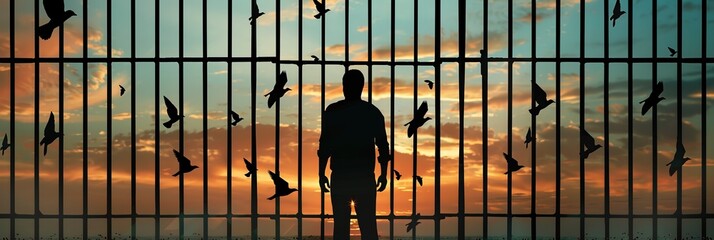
column 362, row 29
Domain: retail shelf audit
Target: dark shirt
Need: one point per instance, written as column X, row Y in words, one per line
column 350, row 130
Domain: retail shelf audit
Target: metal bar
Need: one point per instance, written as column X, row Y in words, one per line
column 437, row 122
column 277, row 117
column 391, row 122
column 534, row 125
column 509, row 191
column 679, row 115
column 655, row 151
column 157, row 120
column 253, row 131
column 85, row 120
column 13, row 209
column 229, row 128
column 299, row 134
column 704, row 122
column 36, row 166
column 582, row 118
column 484, row 116
column 205, row 120
column 606, row 114
column 60, row 152
column 557, row 120
column 347, row 34
column 109, row 120
column 369, row 50
column 181, row 113
column 415, row 102
column 322, row 109
column 630, row 125
column 133, row 119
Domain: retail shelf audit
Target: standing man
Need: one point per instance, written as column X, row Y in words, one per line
column 350, row 130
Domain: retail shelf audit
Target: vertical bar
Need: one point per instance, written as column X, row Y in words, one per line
column 322, row 110
column 391, row 116
column 133, row 119
column 109, row 120
column 85, row 119
column 557, row 119
column 157, row 120
column 347, row 34
column 509, row 194
column 437, row 121
column 606, row 114
column 277, row 116
column 12, row 121
column 60, row 152
column 533, row 120
column 630, row 125
column 253, row 131
column 582, row 118
column 704, row 120
column 181, row 111
column 415, row 102
column 655, row 166
column 205, row 120
column 369, row 50
column 679, row 114
column 299, row 210
column 36, row 175
column 484, row 118
column 229, row 127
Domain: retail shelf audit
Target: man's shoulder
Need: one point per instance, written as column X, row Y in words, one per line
column 361, row 104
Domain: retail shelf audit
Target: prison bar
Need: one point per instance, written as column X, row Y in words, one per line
column 37, row 126
column 557, row 120
column 205, row 120
column 415, row 100
column 533, row 119
column 509, row 190
column 654, row 124
column 13, row 211
column 704, row 121
column 60, row 152
column 277, row 117
column 322, row 110
column 85, row 120
column 108, row 143
column 181, row 113
column 229, row 128
column 606, row 115
column 484, row 117
column 299, row 134
column 391, row 118
column 630, row 125
column 581, row 110
column 157, row 119
column 679, row 114
column 133, row 119
column 437, row 121
column 253, row 131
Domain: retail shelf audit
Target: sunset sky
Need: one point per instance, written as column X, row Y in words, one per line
column 498, row 41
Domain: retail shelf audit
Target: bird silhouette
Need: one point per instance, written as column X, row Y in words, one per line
column 512, row 164
column 419, row 179
column 320, row 9
column 411, row 225
column 418, row 119
column 55, row 11
column 236, row 118
column 589, row 142
column 315, row 58
column 541, row 98
column 678, row 160
column 429, row 83
column 616, row 12
column 672, row 52
column 281, row 186
column 50, row 134
column 172, row 112
column 255, row 14
column 5, row 145
column 121, row 90
column 653, row 99
column 278, row 90
column 184, row 164
column 251, row 168
column 398, row 175
column 529, row 137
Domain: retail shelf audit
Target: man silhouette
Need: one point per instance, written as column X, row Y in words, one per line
column 350, row 129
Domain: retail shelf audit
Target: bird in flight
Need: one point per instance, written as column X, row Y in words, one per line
column 184, row 164
column 255, row 14
column 55, row 11
column 678, row 160
column 121, row 90
column 251, row 168
column 653, row 99
column 236, row 118
column 397, row 174
column 672, row 52
column 50, row 134
column 418, row 120
column 411, row 225
column 429, row 83
column 5, row 145
column 541, row 98
column 320, row 9
column 529, row 138
column 315, row 58
column 616, row 12
column 172, row 112
column 512, row 164
column 281, row 186
column 419, row 179
column 278, row 90
column 589, row 142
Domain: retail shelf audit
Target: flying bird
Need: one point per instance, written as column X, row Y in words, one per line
column 255, row 14
column 236, row 118
column 429, row 83
column 419, row 179
column 529, row 137
column 541, row 98
column 512, row 164
column 398, row 175
column 315, row 58
column 50, row 134
column 250, row 166
column 121, row 90
column 616, row 13
column 320, row 9
column 672, row 52
column 678, row 160
column 653, row 99
column 411, row 225
column 281, row 186
column 589, row 142
column 278, row 90
column 5, row 145
column 418, row 120
column 55, row 11
column 184, row 164
column 172, row 112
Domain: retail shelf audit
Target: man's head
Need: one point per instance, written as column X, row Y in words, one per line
column 352, row 84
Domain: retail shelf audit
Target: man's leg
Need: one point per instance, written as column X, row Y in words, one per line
column 341, row 209
column 365, row 207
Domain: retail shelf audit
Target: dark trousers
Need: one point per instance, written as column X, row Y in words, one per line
column 362, row 190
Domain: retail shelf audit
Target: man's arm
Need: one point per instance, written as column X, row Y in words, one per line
column 324, row 152
column 384, row 155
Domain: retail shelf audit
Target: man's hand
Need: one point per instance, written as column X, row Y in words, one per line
column 381, row 183
column 324, row 181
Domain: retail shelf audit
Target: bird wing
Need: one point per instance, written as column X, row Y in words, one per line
column 170, row 108
column 54, row 8
column 658, row 89
column 278, row 181
column 616, row 10
column 234, row 115
column 256, row 10
column 423, row 108
column 4, row 140
column 528, row 135
column 50, row 127
column 419, row 179
column 679, row 154
column 539, row 94
column 586, row 138
column 671, row 50
column 183, row 161
column 248, row 165
column 318, row 5
column 281, row 81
